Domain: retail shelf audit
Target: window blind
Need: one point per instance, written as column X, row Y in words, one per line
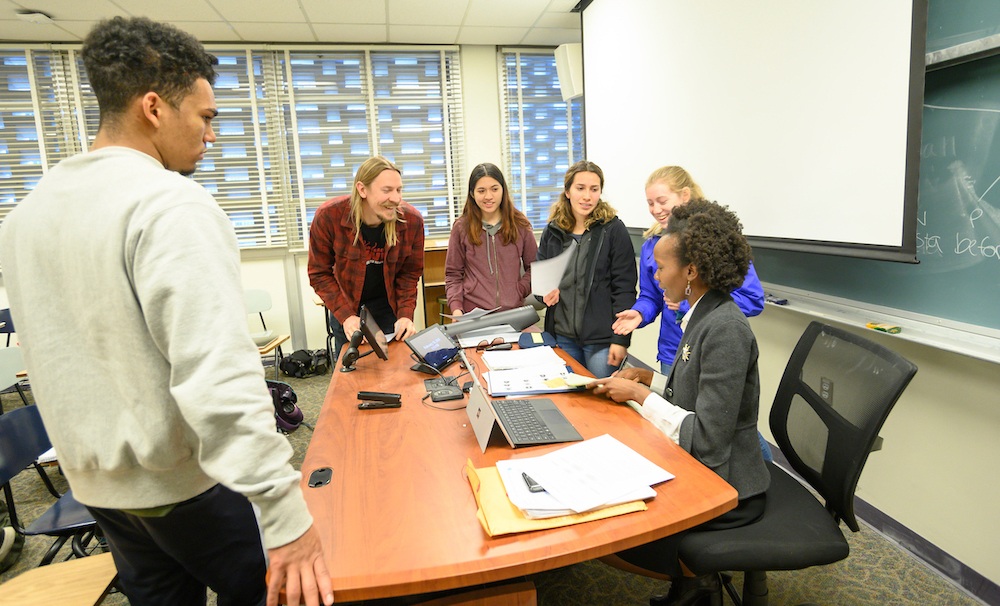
column 543, row 135
column 293, row 127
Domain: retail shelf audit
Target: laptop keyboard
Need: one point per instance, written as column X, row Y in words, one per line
column 521, row 422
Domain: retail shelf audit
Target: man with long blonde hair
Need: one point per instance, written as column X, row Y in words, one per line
column 367, row 248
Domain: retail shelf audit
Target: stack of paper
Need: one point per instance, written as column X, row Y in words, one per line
column 582, row 477
column 533, row 357
column 557, row 378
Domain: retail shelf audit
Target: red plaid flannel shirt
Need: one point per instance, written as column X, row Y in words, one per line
column 337, row 264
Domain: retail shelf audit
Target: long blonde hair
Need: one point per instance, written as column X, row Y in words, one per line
column 676, row 179
column 367, row 173
column 562, row 212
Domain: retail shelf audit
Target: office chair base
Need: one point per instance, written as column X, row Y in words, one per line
column 703, row 590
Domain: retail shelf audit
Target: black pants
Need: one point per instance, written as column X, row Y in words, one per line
column 661, row 555
column 212, row 540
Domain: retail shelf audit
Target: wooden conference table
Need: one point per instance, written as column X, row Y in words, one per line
column 399, row 517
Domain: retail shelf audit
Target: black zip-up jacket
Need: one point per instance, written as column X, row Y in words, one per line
column 611, row 277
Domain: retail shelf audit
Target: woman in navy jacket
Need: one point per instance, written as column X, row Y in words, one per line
column 708, row 404
column 600, row 279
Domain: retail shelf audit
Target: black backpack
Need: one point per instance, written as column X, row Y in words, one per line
column 304, row 363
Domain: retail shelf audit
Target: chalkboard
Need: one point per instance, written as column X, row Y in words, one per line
column 954, row 22
column 958, row 240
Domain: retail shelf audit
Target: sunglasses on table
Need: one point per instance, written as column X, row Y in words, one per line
column 485, row 345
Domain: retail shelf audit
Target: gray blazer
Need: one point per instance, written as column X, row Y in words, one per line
column 715, row 376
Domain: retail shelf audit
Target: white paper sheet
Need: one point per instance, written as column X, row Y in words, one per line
column 592, row 473
column 546, row 274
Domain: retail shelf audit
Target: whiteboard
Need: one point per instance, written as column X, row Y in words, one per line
column 800, row 115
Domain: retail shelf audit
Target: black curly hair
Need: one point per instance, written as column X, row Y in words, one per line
column 710, row 236
column 126, row 58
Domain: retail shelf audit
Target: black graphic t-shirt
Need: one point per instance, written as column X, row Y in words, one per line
column 373, row 294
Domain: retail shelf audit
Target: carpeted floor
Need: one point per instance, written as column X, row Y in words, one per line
column 876, row 572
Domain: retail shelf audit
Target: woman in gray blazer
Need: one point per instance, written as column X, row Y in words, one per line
column 708, row 403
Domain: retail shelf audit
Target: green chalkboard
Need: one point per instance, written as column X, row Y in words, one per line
column 954, row 22
column 958, row 236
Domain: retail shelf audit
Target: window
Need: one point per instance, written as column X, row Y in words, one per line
column 47, row 112
column 543, row 135
column 293, row 127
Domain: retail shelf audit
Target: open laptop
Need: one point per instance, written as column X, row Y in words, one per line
column 522, row 422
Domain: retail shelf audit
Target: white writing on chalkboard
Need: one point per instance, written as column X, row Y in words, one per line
column 967, row 241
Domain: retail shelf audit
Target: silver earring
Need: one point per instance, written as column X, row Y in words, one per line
column 687, row 291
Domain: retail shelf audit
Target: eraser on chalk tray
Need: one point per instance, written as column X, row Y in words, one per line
column 884, row 327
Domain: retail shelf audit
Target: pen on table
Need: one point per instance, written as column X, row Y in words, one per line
column 533, row 486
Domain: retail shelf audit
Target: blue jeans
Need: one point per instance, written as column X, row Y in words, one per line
column 765, row 449
column 594, row 357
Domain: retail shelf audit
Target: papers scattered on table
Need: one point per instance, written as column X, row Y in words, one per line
column 554, row 378
column 499, row 516
column 582, row 477
column 534, row 357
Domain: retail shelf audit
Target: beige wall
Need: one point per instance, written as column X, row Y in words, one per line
column 937, row 471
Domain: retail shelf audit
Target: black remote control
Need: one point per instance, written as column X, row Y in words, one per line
column 378, row 396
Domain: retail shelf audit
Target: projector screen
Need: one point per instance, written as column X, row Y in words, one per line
column 802, row 116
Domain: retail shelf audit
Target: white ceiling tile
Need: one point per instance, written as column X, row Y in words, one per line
column 508, row 13
column 427, row 12
column 548, row 36
column 78, row 28
column 562, row 20
column 348, row 33
column 423, row 34
column 271, row 11
column 345, row 11
column 274, row 32
column 72, row 10
column 491, row 35
column 15, row 29
column 209, row 31
column 175, row 11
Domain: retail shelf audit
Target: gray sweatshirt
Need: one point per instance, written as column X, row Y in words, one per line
column 124, row 284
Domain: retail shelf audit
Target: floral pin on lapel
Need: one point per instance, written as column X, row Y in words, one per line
column 686, row 352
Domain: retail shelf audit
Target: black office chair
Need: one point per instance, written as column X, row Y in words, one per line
column 6, row 324
column 834, row 396
column 22, row 440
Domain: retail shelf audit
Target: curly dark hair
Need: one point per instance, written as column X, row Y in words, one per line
column 711, row 236
column 126, row 58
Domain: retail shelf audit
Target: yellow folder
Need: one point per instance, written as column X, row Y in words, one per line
column 499, row 516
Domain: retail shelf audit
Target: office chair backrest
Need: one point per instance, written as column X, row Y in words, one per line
column 11, row 363
column 6, row 324
column 22, row 439
column 834, row 396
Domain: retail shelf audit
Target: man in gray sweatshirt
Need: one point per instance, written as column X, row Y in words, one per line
column 124, row 280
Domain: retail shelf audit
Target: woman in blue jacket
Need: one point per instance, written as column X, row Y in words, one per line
column 667, row 188
column 600, row 279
